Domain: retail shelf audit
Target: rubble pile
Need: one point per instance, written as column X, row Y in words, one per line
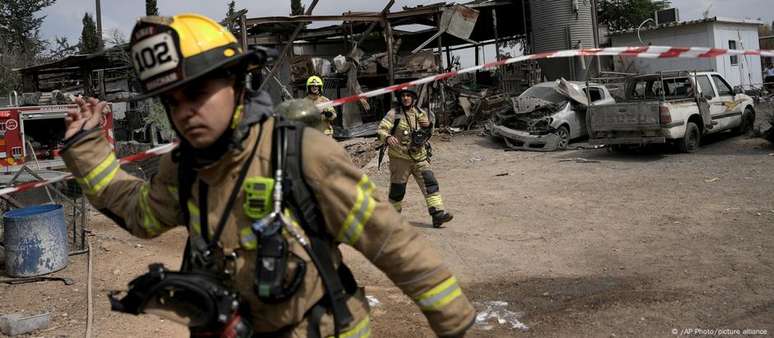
column 473, row 108
column 361, row 150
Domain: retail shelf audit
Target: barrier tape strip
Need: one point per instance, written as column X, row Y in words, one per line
column 144, row 155
column 647, row 52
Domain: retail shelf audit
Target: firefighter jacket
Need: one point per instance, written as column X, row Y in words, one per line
column 409, row 121
column 327, row 122
column 353, row 212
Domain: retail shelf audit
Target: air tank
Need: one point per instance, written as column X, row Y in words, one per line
column 559, row 25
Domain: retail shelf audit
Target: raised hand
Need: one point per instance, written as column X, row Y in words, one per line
column 87, row 116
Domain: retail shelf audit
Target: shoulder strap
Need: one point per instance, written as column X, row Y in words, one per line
column 186, row 177
column 305, row 205
column 395, row 122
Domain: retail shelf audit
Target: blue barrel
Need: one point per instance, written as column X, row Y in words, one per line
column 35, row 240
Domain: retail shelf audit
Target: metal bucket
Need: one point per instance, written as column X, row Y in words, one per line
column 35, row 240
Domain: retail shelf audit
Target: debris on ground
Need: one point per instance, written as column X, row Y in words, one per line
column 498, row 311
column 579, row 160
column 361, row 150
column 16, row 323
column 373, row 301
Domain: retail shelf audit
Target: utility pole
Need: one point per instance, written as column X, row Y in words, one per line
column 99, row 25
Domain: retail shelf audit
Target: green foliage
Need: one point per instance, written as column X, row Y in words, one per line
column 20, row 42
column 20, row 28
column 296, row 8
column 89, row 38
column 151, row 8
column 628, row 14
column 62, row 48
column 229, row 22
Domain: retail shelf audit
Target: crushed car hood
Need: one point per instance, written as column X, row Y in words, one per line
column 571, row 90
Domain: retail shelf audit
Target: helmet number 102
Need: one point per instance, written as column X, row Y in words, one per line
column 154, row 55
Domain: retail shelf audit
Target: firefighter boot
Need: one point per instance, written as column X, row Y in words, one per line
column 440, row 217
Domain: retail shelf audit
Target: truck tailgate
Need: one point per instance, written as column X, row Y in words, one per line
column 632, row 116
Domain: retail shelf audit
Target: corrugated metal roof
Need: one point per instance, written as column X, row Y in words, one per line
column 716, row 19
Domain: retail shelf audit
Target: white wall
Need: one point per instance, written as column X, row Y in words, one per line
column 698, row 35
column 713, row 34
column 748, row 70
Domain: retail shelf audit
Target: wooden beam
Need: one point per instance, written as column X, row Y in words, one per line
column 390, row 52
column 287, row 47
column 373, row 24
column 312, row 18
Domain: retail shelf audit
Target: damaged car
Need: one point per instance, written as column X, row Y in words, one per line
column 547, row 116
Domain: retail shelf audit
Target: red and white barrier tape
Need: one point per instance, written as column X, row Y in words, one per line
column 650, row 52
column 160, row 150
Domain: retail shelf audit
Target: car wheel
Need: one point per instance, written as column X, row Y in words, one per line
column 690, row 143
column 563, row 133
column 748, row 119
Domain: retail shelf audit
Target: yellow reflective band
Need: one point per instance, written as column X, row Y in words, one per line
column 99, row 177
column 437, row 297
column 149, row 221
column 434, row 201
column 361, row 330
column 173, row 190
column 237, row 117
column 386, row 124
column 194, row 214
column 360, row 213
column 106, row 180
column 247, row 239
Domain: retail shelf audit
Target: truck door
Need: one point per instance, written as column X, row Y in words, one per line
column 729, row 110
column 708, row 93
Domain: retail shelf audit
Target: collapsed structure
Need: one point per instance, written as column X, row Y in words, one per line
column 361, row 51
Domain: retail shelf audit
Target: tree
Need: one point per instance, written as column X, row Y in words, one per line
column 62, row 48
column 20, row 28
column 230, row 19
column 20, row 42
column 296, row 8
column 89, row 38
column 151, row 8
column 628, row 14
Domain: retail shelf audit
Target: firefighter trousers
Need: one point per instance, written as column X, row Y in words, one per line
column 400, row 171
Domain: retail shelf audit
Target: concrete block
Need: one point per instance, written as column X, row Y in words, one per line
column 16, row 323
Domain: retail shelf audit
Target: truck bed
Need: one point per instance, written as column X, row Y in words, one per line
column 627, row 116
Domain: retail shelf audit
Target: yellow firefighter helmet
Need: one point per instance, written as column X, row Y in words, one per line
column 168, row 52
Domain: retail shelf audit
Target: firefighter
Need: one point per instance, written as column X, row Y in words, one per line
column 218, row 183
column 406, row 131
column 314, row 86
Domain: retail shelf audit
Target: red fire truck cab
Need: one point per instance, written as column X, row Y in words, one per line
column 38, row 131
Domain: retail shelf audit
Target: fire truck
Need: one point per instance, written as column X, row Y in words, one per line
column 37, row 133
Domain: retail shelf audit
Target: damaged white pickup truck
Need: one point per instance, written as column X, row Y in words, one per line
column 547, row 116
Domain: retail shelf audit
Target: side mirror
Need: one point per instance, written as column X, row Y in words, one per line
column 738, row 90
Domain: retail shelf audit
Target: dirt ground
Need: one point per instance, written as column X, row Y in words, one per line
column 574, row 243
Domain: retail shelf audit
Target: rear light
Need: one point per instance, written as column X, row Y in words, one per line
column 664, row 115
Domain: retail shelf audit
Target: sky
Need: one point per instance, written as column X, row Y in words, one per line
column 64, row 17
